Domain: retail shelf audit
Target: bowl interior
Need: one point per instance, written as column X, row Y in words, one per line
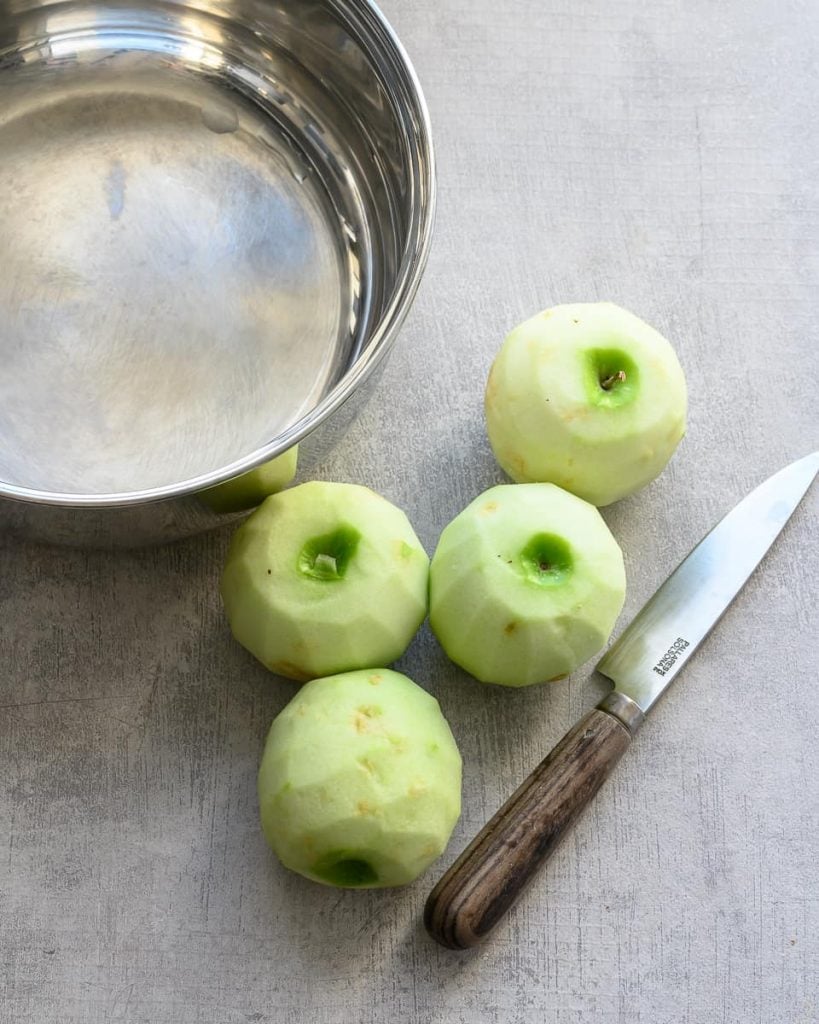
column 205, row 216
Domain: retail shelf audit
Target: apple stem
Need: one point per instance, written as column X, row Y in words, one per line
column 614, row 378
column 326, row 563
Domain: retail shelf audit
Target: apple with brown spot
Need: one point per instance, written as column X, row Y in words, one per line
column 360, row 781
column 325, row 578
column 586, row 396
column 525, row 584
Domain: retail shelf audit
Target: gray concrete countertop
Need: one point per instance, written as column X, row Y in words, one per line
column 663, row 156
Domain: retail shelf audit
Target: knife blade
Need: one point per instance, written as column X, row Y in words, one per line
column 476, row 892
column 675, row 621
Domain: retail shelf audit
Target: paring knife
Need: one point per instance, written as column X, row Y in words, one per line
column 493, row 870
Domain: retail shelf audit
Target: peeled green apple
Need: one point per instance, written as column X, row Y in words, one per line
column 525, row 585
column 324, row 578
column 251, row 488
column 360, row 782
column 586, row 396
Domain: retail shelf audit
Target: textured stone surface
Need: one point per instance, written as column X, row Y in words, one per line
column 662, row 156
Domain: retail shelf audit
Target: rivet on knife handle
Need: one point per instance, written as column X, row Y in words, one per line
column 481, row 886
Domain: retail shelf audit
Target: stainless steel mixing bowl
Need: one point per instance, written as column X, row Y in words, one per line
column 214, row 215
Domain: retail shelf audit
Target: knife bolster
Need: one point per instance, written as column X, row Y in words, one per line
column 624, row 709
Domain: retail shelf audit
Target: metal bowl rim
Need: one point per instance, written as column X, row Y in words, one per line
column 378, row 344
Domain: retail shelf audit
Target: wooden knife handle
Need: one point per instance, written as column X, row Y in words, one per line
column 504, row 857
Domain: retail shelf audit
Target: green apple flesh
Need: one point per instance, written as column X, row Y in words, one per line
column 586, row 396
column 525, row 585
column 360, row 782
column 325, row 578
column 251, row 488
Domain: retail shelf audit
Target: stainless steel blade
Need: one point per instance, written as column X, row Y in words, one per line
column 666, row 632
